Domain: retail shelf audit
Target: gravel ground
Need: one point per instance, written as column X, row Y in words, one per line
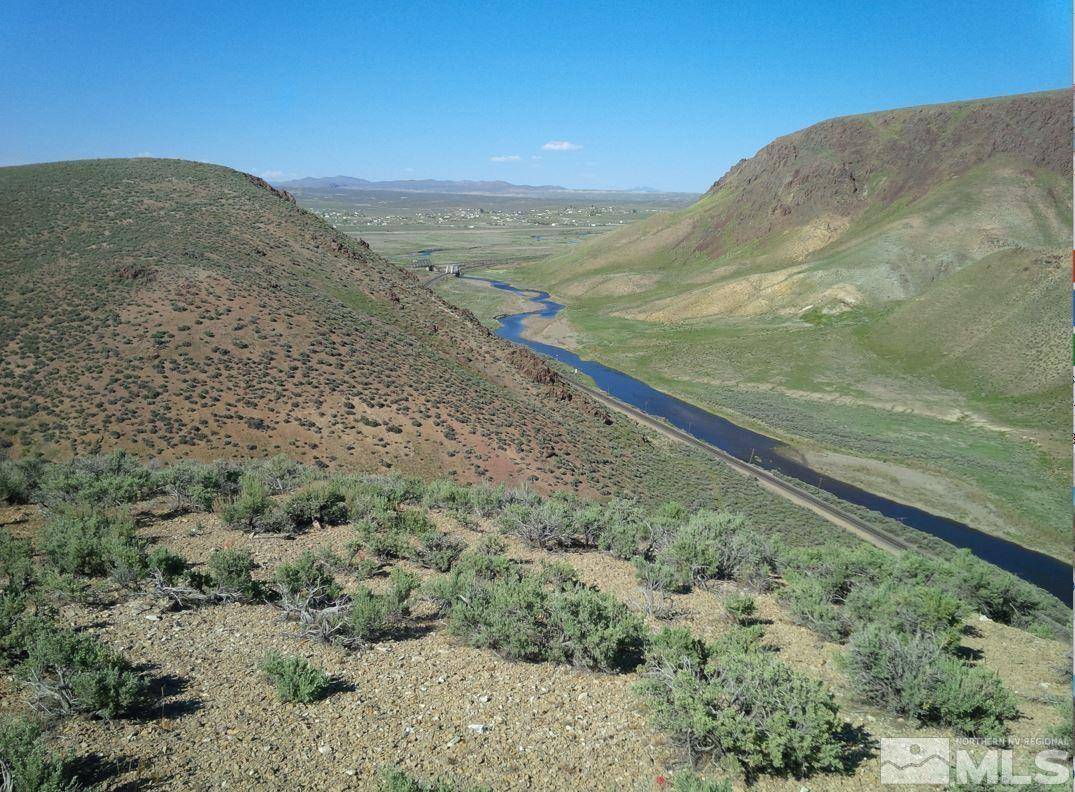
column 428, row 705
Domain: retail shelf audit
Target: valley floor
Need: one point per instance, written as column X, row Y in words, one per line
column 840, row 407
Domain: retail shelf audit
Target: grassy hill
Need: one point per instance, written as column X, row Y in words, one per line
column 175, row 309
column 885, row 291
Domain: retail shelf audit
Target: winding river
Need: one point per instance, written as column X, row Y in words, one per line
column 1042, row 570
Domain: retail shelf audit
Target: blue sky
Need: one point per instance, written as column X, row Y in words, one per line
column 662, row 94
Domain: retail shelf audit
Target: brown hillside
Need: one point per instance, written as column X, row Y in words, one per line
column 181, row 309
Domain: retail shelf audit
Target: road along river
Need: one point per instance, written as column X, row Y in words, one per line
column 764, row 452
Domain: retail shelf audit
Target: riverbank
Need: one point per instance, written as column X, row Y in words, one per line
column 766, row 452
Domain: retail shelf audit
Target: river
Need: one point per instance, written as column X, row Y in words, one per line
column 1040, row 569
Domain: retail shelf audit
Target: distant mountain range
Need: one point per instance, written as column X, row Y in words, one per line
column 438, row 186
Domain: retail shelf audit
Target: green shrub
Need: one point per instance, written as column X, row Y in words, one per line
column 908, row 609
column 912, row 675
column 446, row 494
column 559, row 574
column 808, row 601
column 740, row 607
column 662, row 575
column 741, row 639
column 590, row 629
column 101, row 480
column 719, row 546
column 395, row 780
column 485, row 499
column 387, row 534
column 307, row 578
column 20, row 478
column 323, row 503
column 507, row 616
column 168, row 566
column 403, row 584
column 231, row 572
column 22, row 616
column 481, row 564
column 751, row 707
column 295, row 679
column 521, row 619
column 547, row 523
column 279, row 473
column 31, row 765
column 16, row 562
column 191, row 485
column 438, row 550
column 367, row 620
column 253, row 511
column 93, row 543
column 689, row 782
column 619, row 527
column 1061, row 731
column 69, row 671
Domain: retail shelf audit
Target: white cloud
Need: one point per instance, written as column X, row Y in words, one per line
column 505, row 158
column 273, row 175
column 561, row 145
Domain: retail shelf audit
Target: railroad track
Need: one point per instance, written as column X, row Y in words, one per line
column 773, row 483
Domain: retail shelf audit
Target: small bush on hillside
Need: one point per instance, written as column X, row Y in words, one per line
column 912, row 675
column 740, row 639
column 547, row 524
column 751, row 707
column 69, row 671
column 483, row 563
column 308, row 580
column 689, row 782
column 619, row 527
column 395, row 780
column 16, row 562
column 999, row 595
column 20, row 479
column 807, row 600
column 403, row 583
column 740, row 607
column 231, row 572
column 93, row 543
column 486, row 500
column 662, row 575
column 30, row 765
column 367, row 620
column 446, row 494
column 166, row 565
column 908, row 609
column 279, row 473
column 1061, row 731
column 522, row 619
column 253, row 511
column 323, row 503
column 438, row 550
column 387, row 534
column 22, row 616
column 590, row 629
column 109, row 480
column 559, row 574
column 295, row 679
column 190, row 484
column 718, row 546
